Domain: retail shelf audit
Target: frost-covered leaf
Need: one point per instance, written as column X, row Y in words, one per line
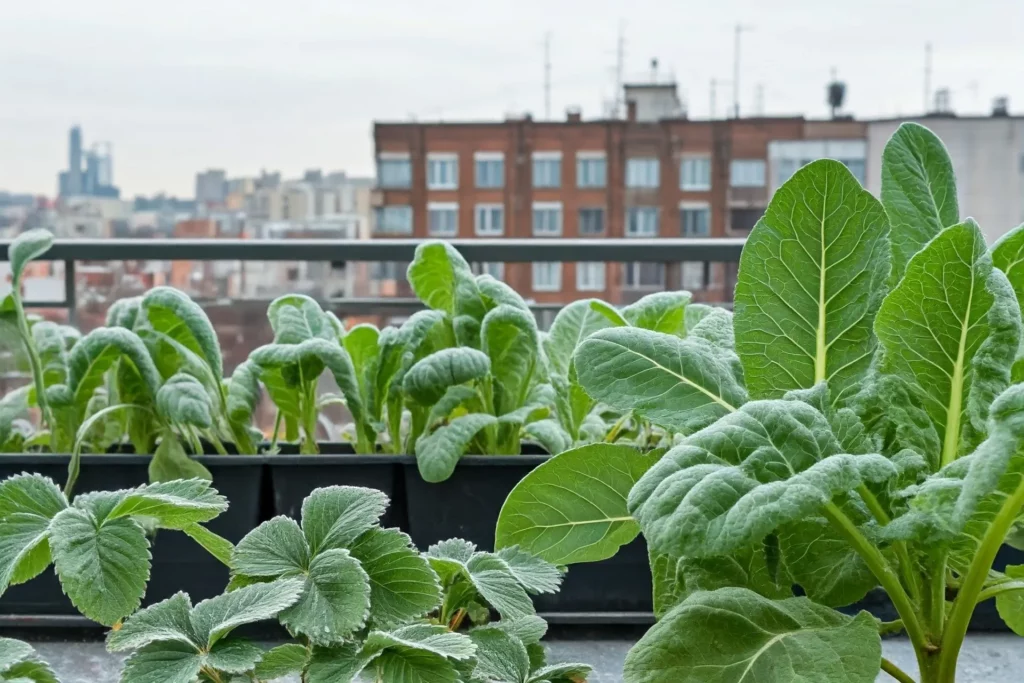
column 215, row 618
column 103, row 568
column 453, row 398
column 27, row 247
column 427, row 380
column 19, row 663
column 497, row 293
column 565, row 672
column 812, row 275
column 96, row 353
column 296, row 318
column 276, row 547
column 49, row 342
column 361, row 344
column 823, row 563
column 532, row 573
column 427, row 637
column 918, row 192
column 734, row 636
column 573, row 507
column 27, row 504
column 409, row 665
column 660, row 312
column 243, row 392
column 167, row 620
column 730, row 485
column 402, row 584
column 233, row 656
column 335, row 601
column 500, row 656
column 498, row 586
column 282, row 661
column 174, row 314
column 174, row 504
column 444, row 281
column 574, row 323
column 679, row 384
column 439, row 452
column 609, row 312
column 509, row 338
column 163, row 662
column 218, row 546
column 335, row 516
column 549, row 434
column 123, row 312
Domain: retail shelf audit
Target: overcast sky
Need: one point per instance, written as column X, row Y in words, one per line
column 178, row 86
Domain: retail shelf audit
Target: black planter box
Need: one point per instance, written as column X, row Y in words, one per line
column 467, row 505
column 179, row 563
column 293, row 477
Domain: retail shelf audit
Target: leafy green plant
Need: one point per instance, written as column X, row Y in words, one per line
column 854, row 425
column 19, row 663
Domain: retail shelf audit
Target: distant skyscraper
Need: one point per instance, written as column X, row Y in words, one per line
column 97, row 179
column 211, row 187
column 74, row 182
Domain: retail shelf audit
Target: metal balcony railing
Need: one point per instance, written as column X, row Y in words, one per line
column 666, row 250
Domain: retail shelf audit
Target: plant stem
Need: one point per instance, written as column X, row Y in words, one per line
column 910, row 577
column 456, row 622
column 886, row 628
column 886, row 577
column 974, row 583
column 277, row 430
column 896, row 672
column 999, row 589
column 935, row 606
column 616, row 429
column 218, row 445
column 33, row 356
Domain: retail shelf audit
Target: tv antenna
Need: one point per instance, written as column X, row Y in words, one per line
column 740, row 28
column 547, row 75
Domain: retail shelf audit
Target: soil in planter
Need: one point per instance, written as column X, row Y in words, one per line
column 179, row 564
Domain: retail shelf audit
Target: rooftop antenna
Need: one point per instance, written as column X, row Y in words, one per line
column 927, row 76
column 759, row 99
column 620, row 65
column 736, row 70
column 547, row 75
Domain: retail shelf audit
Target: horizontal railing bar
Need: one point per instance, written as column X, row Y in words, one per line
column 507, row 250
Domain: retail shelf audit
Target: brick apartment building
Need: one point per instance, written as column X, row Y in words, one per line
column 648, row 175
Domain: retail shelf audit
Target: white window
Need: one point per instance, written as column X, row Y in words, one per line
column 490, row 220
column 746, row 173
column 591, row 169
column 856, row 167
column 695, row 173
column 642, row 172
column 547, row 169
column 547, row 219
column 490, row 169
column 442, row 171
column 591, row 221
column 590, row 276
column 443, row 219
column 694, row 220
column 695, row 275
column 547, row 276
column 394, row 170
column 495, row 269
column 642, row 221
column 641, row 275
column 388, row 270
column 393, row 220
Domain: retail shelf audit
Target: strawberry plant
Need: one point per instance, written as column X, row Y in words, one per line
column 854, row 425
column 19, row 662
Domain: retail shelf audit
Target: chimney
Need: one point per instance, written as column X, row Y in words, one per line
column 1001, row 106
column 573, row 115
column 631, row 110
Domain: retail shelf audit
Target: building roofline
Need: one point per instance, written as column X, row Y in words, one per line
column 603, row 121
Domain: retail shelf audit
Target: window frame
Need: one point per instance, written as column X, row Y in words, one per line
column 377, row 228
column 585, row 266
column 547, row 206
column 443, row 206
column 630, row 181
column 690, row 187
column 585, row 156
column 393, row 157
column 546, row 288
column 657, row 222
column 579, row 220
column 685, row 206
column 705, row 275
column 734, row 165
column 485, row 157
column 546, row 156
column 451, row 157
column 476, row 219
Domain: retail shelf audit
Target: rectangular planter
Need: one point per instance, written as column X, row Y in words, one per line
column 467, row 505
column 293, row 477
column 179, row 564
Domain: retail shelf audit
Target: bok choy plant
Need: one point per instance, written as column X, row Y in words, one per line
column 856, row 426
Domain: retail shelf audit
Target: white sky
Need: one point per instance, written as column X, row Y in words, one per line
column 181, row 85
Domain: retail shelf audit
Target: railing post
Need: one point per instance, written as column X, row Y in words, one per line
column 70, row 291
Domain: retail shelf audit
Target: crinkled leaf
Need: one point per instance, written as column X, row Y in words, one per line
column 549, row 434
column 335, row 602
column 409, row 665
column 402, row 584
column 734, row 635
column 163, row 662
column 167, row 620
column 49, row 342
column 427, row 637
column 566, row 672
column 812, row 275
column 276, row 547
column 660, row 312
column 124, row 312
column 243, row 392
column 296, row 318
column 500, row 656
column 27, row 247
column 498, row 586
column 215, row 618
column 918, row 192
column 94, row 355
column 497, row 293
column 427, row 380
column 175, row 314
column 281, row 661
column 528, row 629
column 171, row 462
column 339, row 664
column 453, row 398
column 174, row 504
column 677, row 383
column 573, row 507
column 335, row 516
column 233, row 656
column 823, row 563
column 439, row 452
column 103, row 568
column 574, row 323
column 509, row 337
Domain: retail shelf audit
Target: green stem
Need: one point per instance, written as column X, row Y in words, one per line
column 999, row 589
column 75, row 464
column 33, row 356
column 896, row 672
column 911, row 578
column 886, row 577
column 218, row 445
column 617, row 428
column 935, row 611
column 277, row 430
column 888, row 628
column 974, row 584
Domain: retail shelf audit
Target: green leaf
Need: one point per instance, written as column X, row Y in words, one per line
column 124, row 312
column 335, row 602
column 24, row 548
column 609, row 312
column 173, row 313
column 221, row 548
column 19, row 663
column 170, row 462
column 403, row 587
column 282, row 661
column 427, row 637
column 234, row 656
column 409, row 665
column 340, row 664
column 716, row 328
column 243, row 393
column 438, row 453
column 573, row 507
column 276, row 547
column 950, row 330
column 566, row 672
column 427, row 380
column 497, row 293
column 163, row 662
column 103, row 568
column 453, row 398
column 918, row 192
column 361, row 343
column 174, row 504
column 183, row 400
column 534, row 574
column 215, row 618
column 94, row 355
column 550, row 435
column 660, row 312
column 296, row 318
column 734, row 635
column 676, row 383
column 529, row 629
column 335, row 516
column 1011, row 603
column 824, row 565
column 166, row 621
column 730, row 485
column 444, row 281
column 812, row 275
column 49, row 342
column 571, row 326
column 27, row 247
column 500, row 656
column 509, row 338
column 496, row 584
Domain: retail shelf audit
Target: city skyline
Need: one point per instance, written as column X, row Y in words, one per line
column 176, row 96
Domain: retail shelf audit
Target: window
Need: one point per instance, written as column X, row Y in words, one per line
column 590, row 276
column 547, row 276
column 695, row 173
column 388, row 270
column 490, row 169
column 694, row 220
column 746, row 173
column 490, row 220
column 591, row 169
column 393, row 220
column 547, row 169
column 642, row 173
column 642, row 221
column 856, row 167
column 640, row 275
column 591, row 221
column 394, row 171
column 442, row 171
column 443, row 219
column 695, row 275
column 744, row 220
column 547, row 219
column 786, row 168
column 495, row 269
